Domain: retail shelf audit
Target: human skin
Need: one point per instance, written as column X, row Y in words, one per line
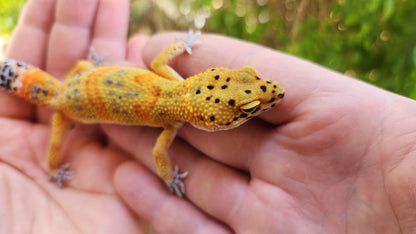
column 336, row 155
column 30, row 202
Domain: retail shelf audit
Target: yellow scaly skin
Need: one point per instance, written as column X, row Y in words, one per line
column 216, row 99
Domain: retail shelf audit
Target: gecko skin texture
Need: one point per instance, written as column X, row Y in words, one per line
column 216, row 99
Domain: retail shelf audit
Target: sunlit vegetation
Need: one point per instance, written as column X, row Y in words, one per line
column 374, row 40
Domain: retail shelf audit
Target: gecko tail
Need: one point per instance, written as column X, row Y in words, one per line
column 29, row 83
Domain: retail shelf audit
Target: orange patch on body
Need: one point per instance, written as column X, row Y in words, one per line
column 95, row 100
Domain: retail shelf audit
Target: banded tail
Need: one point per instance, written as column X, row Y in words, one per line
column 29, row 83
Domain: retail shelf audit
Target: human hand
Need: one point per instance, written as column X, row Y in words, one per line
column 334, row 156
column 53, row 35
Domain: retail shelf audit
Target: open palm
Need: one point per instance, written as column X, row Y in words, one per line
column 336, row 156
column 53, row 35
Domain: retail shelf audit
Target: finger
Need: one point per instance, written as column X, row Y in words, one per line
column 93, row 162
column 300, row 78
column 211, row 186
column 30, row 37
column 110, row 29
column 135, row 48
column 165, row 212
column 71, row 35
column 237, row 147
column 28, row 43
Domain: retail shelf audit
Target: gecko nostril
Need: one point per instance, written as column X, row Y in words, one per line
column 281, row 95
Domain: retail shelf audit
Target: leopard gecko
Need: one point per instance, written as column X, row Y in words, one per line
column 216, row 99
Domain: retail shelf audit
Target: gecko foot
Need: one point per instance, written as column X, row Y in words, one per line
column 62, row 175
column 190, row 40
column 94, row 57
column 177, row 185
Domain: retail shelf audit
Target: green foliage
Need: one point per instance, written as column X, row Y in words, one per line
column 374, row 40
column 9, row 13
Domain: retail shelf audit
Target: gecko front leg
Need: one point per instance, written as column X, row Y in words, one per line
column 160, row 64
column 172, row 178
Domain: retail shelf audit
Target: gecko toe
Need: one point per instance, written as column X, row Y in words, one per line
column 62, row 175
column 177, row 186
column 190, row 40
column 94, row 57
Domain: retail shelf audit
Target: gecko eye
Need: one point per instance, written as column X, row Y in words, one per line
column 249, row 107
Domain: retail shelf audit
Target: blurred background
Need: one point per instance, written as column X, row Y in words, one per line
column 373, row 40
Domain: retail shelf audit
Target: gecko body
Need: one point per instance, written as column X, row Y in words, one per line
column 216, row 99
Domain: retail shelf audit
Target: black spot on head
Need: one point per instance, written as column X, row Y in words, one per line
column 213, row 69
column 224, row 87
column 231, row 102
column 217, row 100
column 268, row 82
column 201, row 118
column 216, row 77
column 212, row 118
column 273, row 105
column 198, row 91
column 210, row 87
column 243, row 115
column 208, row 98
column 228, row 123
column 235, row 119
column 228, row 79
column 257, row 78
column 264, row 88
column 274, row 91
column 274, row 86
column 247, row 91
column 271, row 100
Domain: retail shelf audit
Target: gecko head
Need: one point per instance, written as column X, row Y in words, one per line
column 221, row 98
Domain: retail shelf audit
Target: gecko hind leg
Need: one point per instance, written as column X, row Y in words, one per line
column 60, row 126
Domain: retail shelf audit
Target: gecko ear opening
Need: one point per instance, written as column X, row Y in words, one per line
column 250, row 70
column 249, row 107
